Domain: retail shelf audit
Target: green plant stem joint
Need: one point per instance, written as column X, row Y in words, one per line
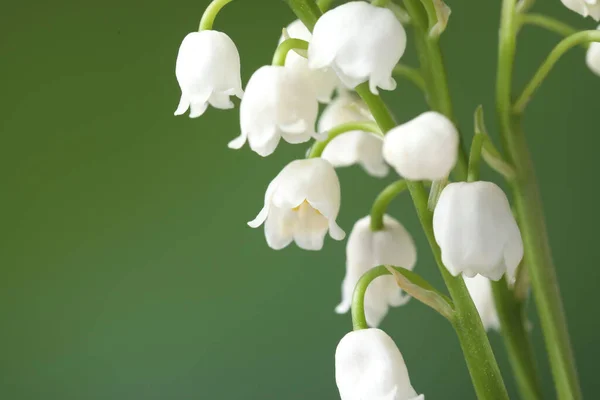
column 208, row 18
column 382, row 202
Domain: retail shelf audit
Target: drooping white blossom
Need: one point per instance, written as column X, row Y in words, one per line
column 301, row 205
column 392, row 245
column 476, row 231
column 587, row 8
column 593, row 56
column 480, row 289
column 424, row 148
column 361, row 42
column 369, row 366
column 324, row 81
column 208, row 72
column 354, row 147
column 278, row 104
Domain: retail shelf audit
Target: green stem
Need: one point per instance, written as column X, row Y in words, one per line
column 208, row 18
column 380, row 3
column 412, row 74
column 556, row 53
column 530, row 215
column 307, row 11
column 324, row 5
column 475, row 157
column 366, row 126
column 434, row 72
column 382, row 202
column 285, row 47
column 546, row 22
column 516, row 339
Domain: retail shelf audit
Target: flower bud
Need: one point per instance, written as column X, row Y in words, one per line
column 324, row 81
column 208, row 72
column 354, row 147
column 368, row 365
column 278, row 104
column 301, row 205
column 476, row 231
column 361, row 42
column 593, row 57
column 424, row 148
column 587, row 8
column 480, row 289
column 366, row 249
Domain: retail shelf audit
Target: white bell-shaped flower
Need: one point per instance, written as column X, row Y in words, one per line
column 587, row 8
column 361, row 42
column 424, row 148
column 324, row 81
column 593, row 57
column 278, row 104
column 369, row 366
column 366, row 249
column 476, row 231
column 480, row 289
column 354, row 147
column 301, row 205
column 208, row 72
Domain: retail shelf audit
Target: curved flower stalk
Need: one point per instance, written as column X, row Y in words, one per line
column 278, row 104
column 208, row 72
column 354, row 147
column 592, row 58
column 366, row 249
column 424, row 148
column 301, row 205
column 368, row 365
column 324, row 81
column 587, row 8
column 361, row 42
column 476, row 231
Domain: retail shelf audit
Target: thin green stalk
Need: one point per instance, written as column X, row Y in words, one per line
column 516, row 339
column 208, row 18
column 366, row 126
column 528, row 206
column 565, row 45
column 434, row 72
column 324, row 5
column 546, row 22
column 382, row 202
column 285, row 47
column 475, row 157
column 412, row 74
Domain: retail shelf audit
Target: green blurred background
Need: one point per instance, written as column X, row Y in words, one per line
column 127, row 268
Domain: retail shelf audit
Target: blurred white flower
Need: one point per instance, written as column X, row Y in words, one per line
column 424, row 148
column 361, row 42
column 480, row 289
column 354, row 147
column 208, row 72
column 587, row 8
column 476, row 231
column 392, row 245
column 278, row 104
column 301, row 205
column 593, row 56
column 324, row 81
column 369, row 366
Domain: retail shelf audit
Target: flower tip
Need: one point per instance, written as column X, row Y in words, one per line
column 342, row 308
column 237, row 143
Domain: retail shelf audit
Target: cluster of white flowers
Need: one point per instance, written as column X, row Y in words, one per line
column 352, row 44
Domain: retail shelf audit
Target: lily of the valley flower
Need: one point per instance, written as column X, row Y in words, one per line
column 208, row 72
column 587, row 8
column 324, row 81
column 593, row 56
column 369, row 366
column 301, row 205
column 361, row 42
column 476, row 231
column 354, row 147
column 278, row 104
column 480, row 289
column 424, row 148
column 366, row 249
